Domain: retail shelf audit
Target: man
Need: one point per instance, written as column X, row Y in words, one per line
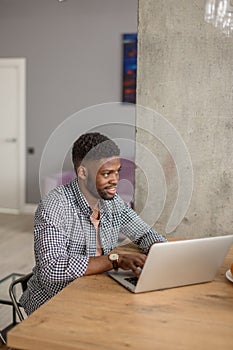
column 77, row 225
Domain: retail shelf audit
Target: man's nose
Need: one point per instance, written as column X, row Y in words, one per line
column 114, row 178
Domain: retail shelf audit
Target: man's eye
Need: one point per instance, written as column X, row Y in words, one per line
column 108, row 173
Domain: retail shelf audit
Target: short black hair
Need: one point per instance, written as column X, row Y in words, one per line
column 93, row 146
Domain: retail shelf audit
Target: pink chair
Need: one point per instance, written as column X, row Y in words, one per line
column 54, row 180
column 125, row 187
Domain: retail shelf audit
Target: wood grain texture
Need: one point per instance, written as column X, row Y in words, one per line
column 95, row 312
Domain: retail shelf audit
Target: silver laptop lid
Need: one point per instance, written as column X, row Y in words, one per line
column 182, row 263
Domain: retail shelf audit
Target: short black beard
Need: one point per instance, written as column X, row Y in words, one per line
column 103, row 196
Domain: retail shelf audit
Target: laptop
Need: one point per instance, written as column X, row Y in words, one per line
column 177, row 263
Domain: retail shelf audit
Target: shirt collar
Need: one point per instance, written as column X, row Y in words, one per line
column 80, row 199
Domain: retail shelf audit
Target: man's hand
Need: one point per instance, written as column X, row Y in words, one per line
column 132, row 262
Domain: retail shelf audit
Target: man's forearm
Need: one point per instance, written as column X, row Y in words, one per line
column 102, row 263
column 98, row 264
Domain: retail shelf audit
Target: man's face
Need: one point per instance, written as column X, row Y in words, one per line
column 103, row 177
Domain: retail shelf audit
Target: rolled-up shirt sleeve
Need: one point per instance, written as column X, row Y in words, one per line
column 138, row 230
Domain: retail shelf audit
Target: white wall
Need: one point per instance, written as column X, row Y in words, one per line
column 74, row 60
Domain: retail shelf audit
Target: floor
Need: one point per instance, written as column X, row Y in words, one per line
column 16, row 254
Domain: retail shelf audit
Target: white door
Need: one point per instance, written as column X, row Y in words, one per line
column 12, row 134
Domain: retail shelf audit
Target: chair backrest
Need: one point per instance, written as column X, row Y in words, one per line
column 23, row 282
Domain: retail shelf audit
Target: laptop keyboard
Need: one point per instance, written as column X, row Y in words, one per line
column 132, row 280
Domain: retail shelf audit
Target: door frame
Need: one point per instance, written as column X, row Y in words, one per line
column 20, row 65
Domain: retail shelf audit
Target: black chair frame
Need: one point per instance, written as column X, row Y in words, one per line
column 23, row 282
column 2, row 338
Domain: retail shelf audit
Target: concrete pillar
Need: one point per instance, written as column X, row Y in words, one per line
column 185, row 74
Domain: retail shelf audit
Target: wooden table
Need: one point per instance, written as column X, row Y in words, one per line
column 95, row 312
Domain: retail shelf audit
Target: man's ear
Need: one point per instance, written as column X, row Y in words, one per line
column 82, row 172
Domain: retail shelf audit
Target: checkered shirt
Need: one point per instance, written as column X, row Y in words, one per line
column 65, row 238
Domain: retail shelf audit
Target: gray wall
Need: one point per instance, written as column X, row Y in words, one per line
column 74, row 60
column 185, row 73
